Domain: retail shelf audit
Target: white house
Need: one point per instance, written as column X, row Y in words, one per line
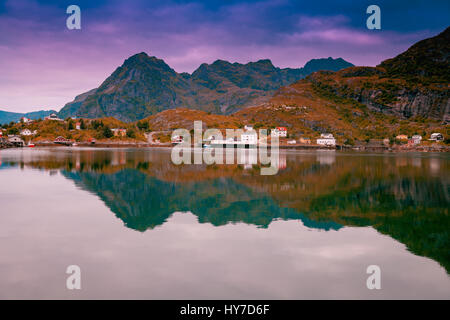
column 54, row 117
column 25, row 120
column 326, row 139
column 416, row 139
column 249, row 138
column 26, row 132
column 279, row 132
column 437, row 136
column 16, row 140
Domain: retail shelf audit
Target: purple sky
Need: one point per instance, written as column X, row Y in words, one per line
column 43, row 65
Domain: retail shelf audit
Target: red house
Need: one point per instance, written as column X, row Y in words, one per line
column 279, row 132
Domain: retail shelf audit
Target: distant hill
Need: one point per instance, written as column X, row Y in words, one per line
column 145, row 85
column 329, row 64
column 7, row 117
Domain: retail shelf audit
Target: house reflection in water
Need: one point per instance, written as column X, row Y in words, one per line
column 326, row 157
column 249, row 157
column 435, row 166
column 118, row 158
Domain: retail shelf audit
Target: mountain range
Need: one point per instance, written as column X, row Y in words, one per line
column 7, row 117
column 411, row 85
column 146, row 85
column 408, row 94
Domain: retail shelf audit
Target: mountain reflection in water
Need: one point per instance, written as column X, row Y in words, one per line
column 405, row 196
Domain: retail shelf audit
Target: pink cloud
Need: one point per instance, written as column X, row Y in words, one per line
column 340, row 35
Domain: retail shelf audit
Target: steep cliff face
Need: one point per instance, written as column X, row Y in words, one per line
column 414, row 84
column 379, row 92
column 145, row 85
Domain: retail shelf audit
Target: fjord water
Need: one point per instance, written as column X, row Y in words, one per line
column 140, row 227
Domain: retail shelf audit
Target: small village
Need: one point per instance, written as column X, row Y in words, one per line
column 25, row 137
column 247, row 138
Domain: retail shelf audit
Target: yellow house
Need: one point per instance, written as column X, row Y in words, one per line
column 402, row 137
column 119, row 132
column 305, row 140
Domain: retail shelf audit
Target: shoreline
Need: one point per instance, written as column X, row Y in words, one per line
column 139, row 145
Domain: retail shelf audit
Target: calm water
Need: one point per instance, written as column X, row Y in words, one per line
column 140, row 227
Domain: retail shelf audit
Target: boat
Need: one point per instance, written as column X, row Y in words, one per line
column 31, row 145
column 63, row 141
column 177, row 140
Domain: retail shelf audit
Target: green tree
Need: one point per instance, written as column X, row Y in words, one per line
column 349, row 141
column 131, row 133
column 107, row 133
column 13, row 131
column 143, row 125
